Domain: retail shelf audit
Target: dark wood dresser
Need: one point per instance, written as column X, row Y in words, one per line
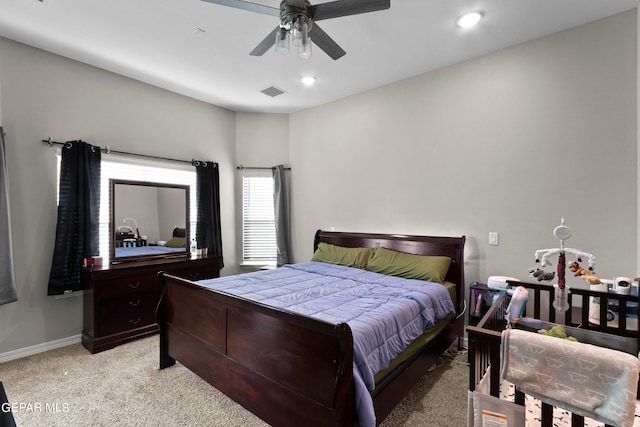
column 120, row 300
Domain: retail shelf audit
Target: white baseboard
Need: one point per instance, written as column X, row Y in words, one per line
column 39, row 348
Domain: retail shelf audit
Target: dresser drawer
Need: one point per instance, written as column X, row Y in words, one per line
column 135, row 301
column 122, row 321
column 126, row 286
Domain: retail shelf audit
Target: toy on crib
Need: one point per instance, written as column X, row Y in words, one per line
column 576, row 269
column 587, row 275
column 541, row 274
column 558, row 331
column 517, row 305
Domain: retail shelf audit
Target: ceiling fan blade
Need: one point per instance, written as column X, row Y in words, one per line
column 326, row 43
column 339, row 8
column 253, row 7
column 265, row 44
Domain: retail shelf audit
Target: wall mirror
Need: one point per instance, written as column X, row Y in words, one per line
column 148, row 220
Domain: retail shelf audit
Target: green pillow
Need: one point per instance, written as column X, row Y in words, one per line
column 409, row 266
column 350, row 257
column 177, row 242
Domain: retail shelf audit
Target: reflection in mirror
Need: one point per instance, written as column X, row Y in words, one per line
column 148, row 220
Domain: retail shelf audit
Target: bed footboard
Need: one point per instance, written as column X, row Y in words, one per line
column 287, row 369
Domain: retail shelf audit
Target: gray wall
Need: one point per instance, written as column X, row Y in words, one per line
column 139, row 203
column 171, row 211
column 45, row 94
column 262, row 140
column 508, row 142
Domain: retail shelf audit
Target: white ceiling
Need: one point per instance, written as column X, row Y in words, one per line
column 153, row 41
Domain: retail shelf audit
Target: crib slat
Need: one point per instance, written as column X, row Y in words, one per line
column 577, row 420
column 585, row 309
column 536, row 303
column 519, row 397
column 551, row 311
column 547, row 415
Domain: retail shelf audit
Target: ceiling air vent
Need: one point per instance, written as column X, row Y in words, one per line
column 272, row 91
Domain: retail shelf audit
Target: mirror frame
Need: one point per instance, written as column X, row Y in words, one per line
column 112, row 228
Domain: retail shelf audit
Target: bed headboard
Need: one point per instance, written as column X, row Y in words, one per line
column 453, row 247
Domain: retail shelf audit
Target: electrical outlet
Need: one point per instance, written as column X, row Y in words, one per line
column 494, row 238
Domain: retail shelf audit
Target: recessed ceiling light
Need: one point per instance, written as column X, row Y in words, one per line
column 468, row 20
column 308, row 80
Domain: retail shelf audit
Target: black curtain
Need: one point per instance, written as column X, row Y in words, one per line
column 208, row 225
column 78, row 210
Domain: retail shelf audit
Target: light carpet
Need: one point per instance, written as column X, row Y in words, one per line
column 124, row 387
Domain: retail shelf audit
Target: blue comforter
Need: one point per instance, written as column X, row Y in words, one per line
column 146, row 250
column 385, row 313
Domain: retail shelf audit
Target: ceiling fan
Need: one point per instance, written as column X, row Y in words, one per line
column 298, row 22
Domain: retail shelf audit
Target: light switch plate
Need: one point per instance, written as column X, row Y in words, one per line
column 494, row 238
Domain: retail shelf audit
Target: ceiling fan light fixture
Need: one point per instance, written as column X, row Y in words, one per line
column 300, row 31
column 282, row 42
column 304, row 50
column 294, row 29
column 469, row 20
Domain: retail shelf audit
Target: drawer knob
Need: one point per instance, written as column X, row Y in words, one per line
column 134, row 303
column 133, row 286
column 135, row 322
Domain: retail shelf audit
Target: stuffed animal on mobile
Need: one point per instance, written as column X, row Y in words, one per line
column 588, row 275
column 542, row 275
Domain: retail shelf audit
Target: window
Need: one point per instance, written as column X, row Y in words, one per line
column 259, row 245
column 139, row 169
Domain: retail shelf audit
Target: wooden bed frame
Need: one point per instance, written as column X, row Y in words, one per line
column 286, row 368
column 485, row 337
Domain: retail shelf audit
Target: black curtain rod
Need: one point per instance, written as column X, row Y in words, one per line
column 240, row 167
column 50, row 142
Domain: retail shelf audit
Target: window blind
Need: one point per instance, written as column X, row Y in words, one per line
column 258, row 223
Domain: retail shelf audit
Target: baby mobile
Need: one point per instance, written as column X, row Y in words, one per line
column 562, row 232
